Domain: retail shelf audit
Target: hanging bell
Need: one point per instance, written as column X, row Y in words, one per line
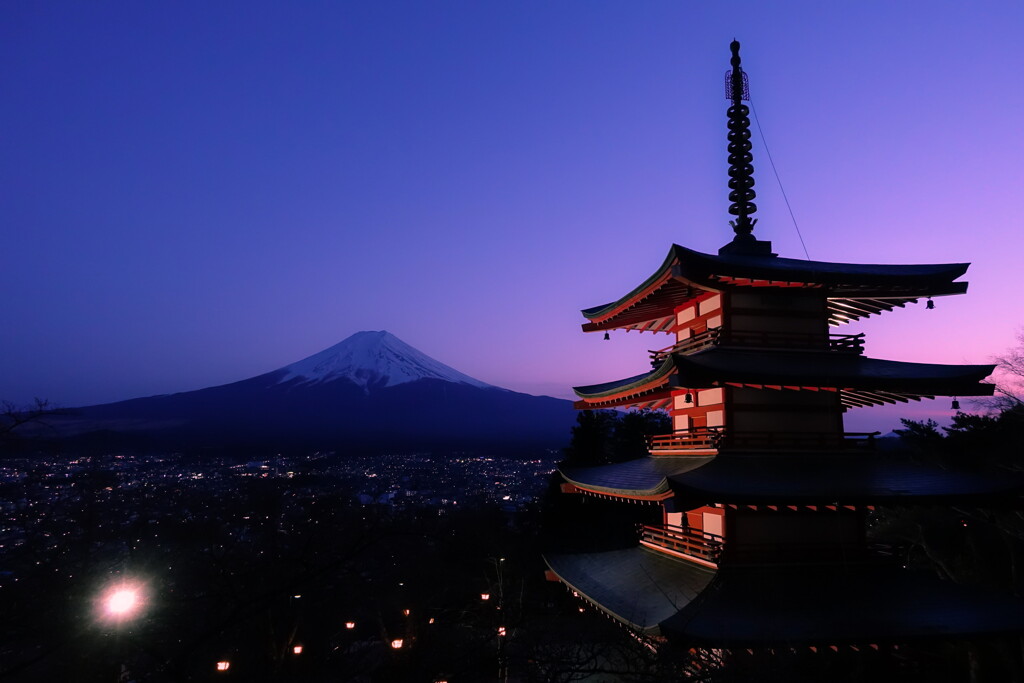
column 930, row 305
column 956, row 405
column 688, row 398
column 607, row 336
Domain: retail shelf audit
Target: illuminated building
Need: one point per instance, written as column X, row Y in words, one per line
column 752, row 514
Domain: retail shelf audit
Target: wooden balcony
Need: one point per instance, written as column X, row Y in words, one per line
column 709, row 440
column 701, row 441
column 716, row 336
column 700, row 547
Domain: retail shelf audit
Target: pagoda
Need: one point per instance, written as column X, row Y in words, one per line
column 751, row 516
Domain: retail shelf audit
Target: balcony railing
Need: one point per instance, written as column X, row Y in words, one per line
column 716, row 336
column 703, row 438
column 701, row 546
column 712, row 439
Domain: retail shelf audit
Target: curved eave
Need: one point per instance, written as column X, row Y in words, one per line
column 919, row 279
column 639, row 388
column 686, row 274
column 648, row 307
column 853, row 305
column 863, row 381
column 643, row 478
column 637, row 587
column 841, row 604
column 830, row 479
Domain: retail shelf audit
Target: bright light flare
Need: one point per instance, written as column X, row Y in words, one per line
column 122, row 601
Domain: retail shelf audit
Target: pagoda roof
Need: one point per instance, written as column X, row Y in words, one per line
column 838, row 604
column 864, row 381
column 853, row 290
column 647, row 476
column 639, row 587
column 648, row 388
column 861, row 381
column 830, row 478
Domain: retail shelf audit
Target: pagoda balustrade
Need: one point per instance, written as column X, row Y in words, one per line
column 702, row 438
column 716, row 336
column 705, row 439
column 699, row 545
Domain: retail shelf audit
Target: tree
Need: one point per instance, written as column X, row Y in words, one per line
column 14, row 418
column 1010, row 376
column 601, row 437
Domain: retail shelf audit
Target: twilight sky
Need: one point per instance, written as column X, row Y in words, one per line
column 193, row 193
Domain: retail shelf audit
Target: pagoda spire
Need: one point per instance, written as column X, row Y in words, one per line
column 741, row 170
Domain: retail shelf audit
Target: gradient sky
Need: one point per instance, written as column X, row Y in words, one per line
column 193, row 193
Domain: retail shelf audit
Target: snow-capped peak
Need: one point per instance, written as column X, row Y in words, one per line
column 373, row 359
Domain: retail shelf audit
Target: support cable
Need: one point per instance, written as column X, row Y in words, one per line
column 760, row 132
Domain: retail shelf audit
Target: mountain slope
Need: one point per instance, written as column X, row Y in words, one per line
column 374, row 359
column 371, row 391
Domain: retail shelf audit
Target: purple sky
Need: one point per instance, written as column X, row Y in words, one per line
column 194, row 193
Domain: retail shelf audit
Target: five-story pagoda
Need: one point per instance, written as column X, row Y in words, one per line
column 756, row 504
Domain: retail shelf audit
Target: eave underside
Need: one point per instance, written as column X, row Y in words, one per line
column 860, row 381
column 871, row 379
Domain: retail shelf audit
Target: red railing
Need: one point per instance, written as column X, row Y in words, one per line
column 703, row 438
column 715, row 438
column 716, row 336
column 685, row 541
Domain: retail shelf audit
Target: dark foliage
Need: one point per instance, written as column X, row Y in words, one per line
column 601, row 437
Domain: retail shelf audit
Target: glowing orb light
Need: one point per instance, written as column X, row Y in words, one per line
column 121, row 601
column 223, row 666
column 397, row 643
column 297, row 650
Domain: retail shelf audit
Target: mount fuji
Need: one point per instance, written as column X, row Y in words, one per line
column 371, row 391
column 373, row 359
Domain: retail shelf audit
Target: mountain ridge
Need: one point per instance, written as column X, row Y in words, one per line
column 371, row 390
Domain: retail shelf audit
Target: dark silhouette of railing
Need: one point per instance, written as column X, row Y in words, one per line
column 716, row 438
column 716, row 336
